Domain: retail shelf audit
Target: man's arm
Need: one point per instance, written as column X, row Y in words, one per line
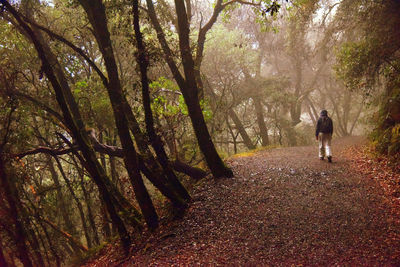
column 317, row 129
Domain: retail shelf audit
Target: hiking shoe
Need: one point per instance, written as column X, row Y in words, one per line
column 321, row 158
column 329, row 159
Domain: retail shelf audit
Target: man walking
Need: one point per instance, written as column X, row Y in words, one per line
column 323, row 134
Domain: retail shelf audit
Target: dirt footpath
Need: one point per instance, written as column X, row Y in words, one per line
column 283, row 207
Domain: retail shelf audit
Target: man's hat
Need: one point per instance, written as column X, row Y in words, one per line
column 324, row 112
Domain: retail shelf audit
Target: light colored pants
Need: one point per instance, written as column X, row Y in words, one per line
column 325, row 144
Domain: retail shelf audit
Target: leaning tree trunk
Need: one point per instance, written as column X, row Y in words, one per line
column 190, row 93
column 97, row 17
column 241, row 129
column 11, row 198
column 154, row 138
column 76, row 128
column 189, row 87
column 69, row 225
column 3, row 261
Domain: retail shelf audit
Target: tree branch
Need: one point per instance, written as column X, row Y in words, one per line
column 257, row 4
column 203, row 31
column 72, row 46
column 164, row 44
column 68, row 236
column 114, row 151
column 41, row 105
column 7, row 128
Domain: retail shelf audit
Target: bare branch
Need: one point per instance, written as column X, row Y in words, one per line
column 257, row 4
column 67, row 235
column 45, row 150
column 115, row 151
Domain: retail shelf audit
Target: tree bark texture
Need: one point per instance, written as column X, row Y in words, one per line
column 97, row 17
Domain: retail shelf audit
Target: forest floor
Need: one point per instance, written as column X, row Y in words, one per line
column 284, row 207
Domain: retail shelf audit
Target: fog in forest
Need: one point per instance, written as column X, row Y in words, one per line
column 112, row 112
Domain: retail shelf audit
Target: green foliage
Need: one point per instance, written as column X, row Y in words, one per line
column 369, row 62
column 266, row 8
column 354, row 66
column 386, row 135
column 79, row 86
column 169, row 102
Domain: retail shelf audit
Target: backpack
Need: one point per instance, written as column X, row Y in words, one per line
column 325, row 125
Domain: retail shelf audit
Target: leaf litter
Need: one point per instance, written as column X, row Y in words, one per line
column 284, row 207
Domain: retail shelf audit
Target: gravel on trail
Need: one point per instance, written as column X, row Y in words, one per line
column 284, row 207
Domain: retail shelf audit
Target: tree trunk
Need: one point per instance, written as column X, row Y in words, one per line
column 189, row 87
column 146, row 153
column 234, row 137
column 63, row 207
column 241, row 129
column 191, row 171
column 191, row 96
column 155, row 140
column 11, row 198
column 78, row 203
column 3, row 261
column 97, row 17
column 261, row 122
column 102, row 157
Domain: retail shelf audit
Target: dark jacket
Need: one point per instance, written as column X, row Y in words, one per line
column 324, row 126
